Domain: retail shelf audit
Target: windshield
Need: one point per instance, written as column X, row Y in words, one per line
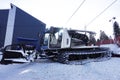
column 46, row 39
column 55, row 39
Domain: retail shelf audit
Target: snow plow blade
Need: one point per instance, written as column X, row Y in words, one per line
column 18, row 53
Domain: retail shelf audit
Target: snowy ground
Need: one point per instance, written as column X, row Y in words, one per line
column 48, row 70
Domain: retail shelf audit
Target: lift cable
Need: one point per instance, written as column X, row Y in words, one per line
column 75, row 11
column 101, row 13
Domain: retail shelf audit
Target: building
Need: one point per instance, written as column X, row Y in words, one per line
column 16, row 23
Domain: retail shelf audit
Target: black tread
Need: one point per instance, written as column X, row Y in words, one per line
column 63, row 57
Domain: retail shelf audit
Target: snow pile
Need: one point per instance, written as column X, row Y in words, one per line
column 48, row 70
column 113, row 47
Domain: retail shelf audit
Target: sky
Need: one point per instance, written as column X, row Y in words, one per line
column 58, row 12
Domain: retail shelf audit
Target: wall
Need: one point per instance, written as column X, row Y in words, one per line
column 3, row 25
column 25, row 26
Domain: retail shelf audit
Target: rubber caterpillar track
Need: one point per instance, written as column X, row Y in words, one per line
column 82, row 57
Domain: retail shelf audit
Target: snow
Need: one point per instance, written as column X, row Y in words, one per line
column 113, row 47
column 45, row 69
column 48, row 70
